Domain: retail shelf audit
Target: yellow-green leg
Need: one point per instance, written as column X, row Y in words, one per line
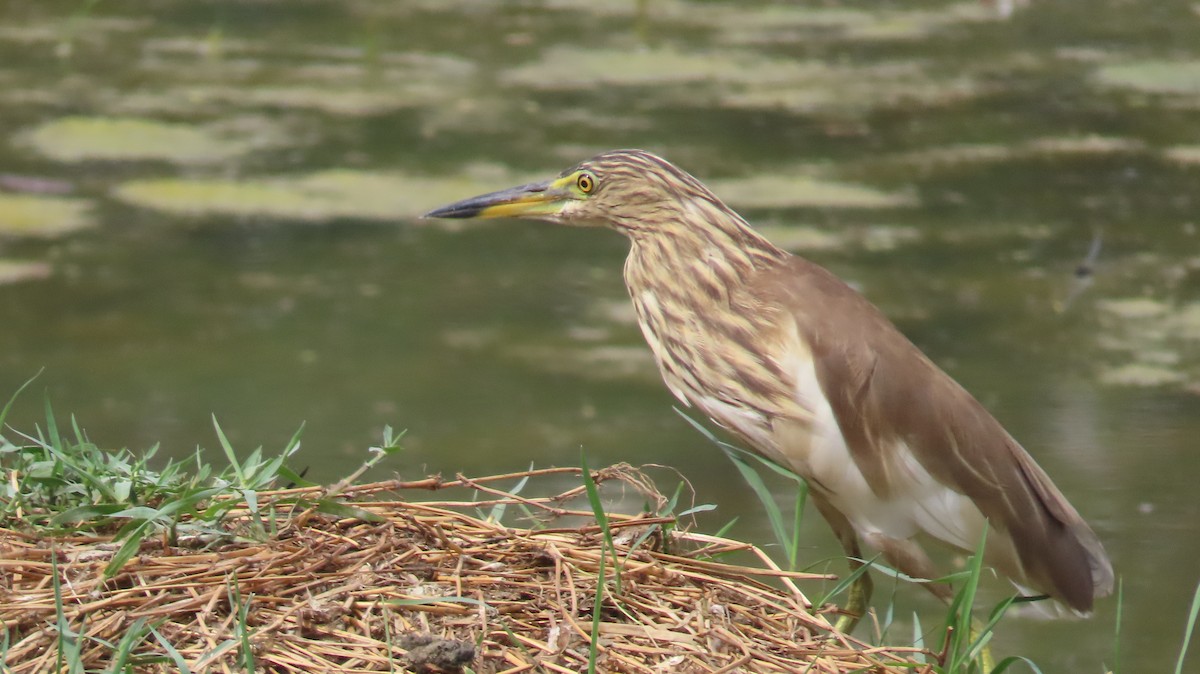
column 860, row 596
column 860, row 590
column 986, row 661
column 907, row 558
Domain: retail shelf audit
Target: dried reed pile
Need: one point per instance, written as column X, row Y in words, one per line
column 422, row 586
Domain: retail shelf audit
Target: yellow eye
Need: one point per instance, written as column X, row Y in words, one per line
column 586, row 183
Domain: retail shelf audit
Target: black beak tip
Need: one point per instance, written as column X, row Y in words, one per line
column 451, row 211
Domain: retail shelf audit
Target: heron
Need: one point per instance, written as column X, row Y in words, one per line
column 807, row 372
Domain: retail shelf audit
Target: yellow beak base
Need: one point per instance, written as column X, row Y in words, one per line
column 532, row 200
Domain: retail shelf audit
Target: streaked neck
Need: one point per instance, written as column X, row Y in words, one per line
column 703, row 243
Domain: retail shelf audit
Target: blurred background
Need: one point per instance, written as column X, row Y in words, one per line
column 211, row 208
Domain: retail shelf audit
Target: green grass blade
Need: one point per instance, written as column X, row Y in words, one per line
column 13, row 398
column 135, row 532
column 52, row 427
column 728, row 526
column 338, row 509
column 293, row 444
column 781, row 470
column 797, row 519
column 229, row 453
column 702, row 508
column 123, row 651
column 1187, row 632
column 918, row 640
column 760, row 489
column 1116, row 668
column 593, row 495
column 788, row 538
column 5, row 645
column 497, row 512
column 988, row 629
column 959, row 615
column 81, row 437
column 174, row 654
column 241, row 626
column 387, row 639
column 597, row 609
column 846, row 581
column 70, row 643
column 85, row 513
column 1011, row 660
column 292, row 477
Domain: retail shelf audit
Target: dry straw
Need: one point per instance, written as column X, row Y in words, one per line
column 429, row 586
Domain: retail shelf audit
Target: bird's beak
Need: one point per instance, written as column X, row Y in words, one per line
column 529, row 201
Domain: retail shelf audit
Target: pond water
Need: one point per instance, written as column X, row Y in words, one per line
column 212, row 209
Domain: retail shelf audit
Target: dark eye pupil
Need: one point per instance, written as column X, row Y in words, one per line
column 585, row 183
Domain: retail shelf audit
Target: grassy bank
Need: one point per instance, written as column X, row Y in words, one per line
column 115, row 562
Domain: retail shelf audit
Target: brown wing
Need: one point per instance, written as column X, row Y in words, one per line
column 883, row 389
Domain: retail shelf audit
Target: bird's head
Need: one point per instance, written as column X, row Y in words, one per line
column 628, row 190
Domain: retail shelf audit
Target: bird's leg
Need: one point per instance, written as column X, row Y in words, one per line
column 860, row 594
column 908, row 558
column 986, row 662
column 862, row 587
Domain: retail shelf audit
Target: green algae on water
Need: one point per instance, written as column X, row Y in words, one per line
column 78, row 139
column 919, row 24
column 604, row 362
column 16, row 271
column 1155, row 77
column 776, row 190
column 957, row 156
column 817, row 87
column 27, row 215
column 1141, row 374
column 742, row 79
column 566, row 68
column 334, row 100
column 1082, row 145
column 871, row 237
column 1155, row 339
column 315, row 197
column 800, row 238
column 1187, row 155
column 1133, row 308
